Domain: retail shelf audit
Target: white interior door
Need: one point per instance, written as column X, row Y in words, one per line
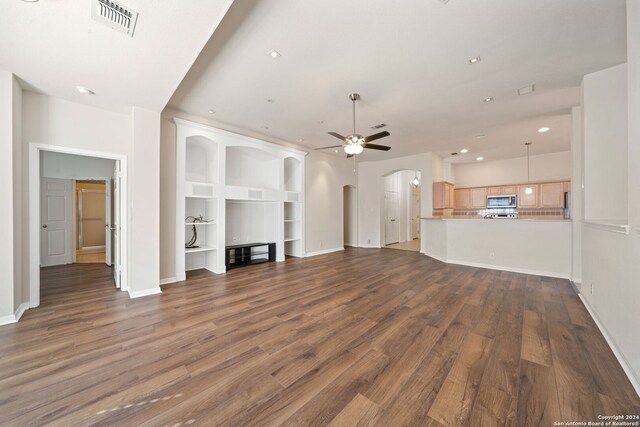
column 55, row 222
column 107, row 222
column 392, row 225
column 415, row 213
column 115, row 224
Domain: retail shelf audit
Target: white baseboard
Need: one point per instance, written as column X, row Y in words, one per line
column 325, row 251
column 635, row 382
column 21, row 309
column 144, row 292
column 503, row 268
column 13, row 318
column 168, row 280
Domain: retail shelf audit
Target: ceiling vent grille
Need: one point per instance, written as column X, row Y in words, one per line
column 380, row 126
column 114, row 15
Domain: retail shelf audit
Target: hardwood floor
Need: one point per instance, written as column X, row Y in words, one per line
column 91, row 256
column 364, row 337
column 410, row 245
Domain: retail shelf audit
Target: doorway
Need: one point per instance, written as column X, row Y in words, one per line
column 350, row 215
column 77, row 205
column 401, row 211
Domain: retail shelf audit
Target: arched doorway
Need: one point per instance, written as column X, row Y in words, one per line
column 350, row 215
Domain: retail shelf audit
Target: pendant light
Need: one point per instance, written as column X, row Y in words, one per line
column 415, row 182
column 529, row 189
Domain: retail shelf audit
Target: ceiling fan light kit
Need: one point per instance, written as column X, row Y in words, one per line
column 356, row 143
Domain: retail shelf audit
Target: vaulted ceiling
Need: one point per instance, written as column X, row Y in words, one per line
column 409, row 61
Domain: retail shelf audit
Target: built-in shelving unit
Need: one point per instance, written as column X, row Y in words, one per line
column 245, row 190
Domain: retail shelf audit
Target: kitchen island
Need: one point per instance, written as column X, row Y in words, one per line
column 532, row 246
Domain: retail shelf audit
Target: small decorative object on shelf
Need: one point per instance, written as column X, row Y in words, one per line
column 191, row 244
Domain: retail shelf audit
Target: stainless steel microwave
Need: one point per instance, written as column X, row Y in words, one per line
column 504, row 201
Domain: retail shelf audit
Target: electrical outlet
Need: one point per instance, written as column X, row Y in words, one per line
column 235, row 239
column 492, row 254
column 368, row 241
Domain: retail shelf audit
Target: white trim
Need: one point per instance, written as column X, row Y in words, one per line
column 635, row 382
column 168, row 280
column 503, row 268
column 611, row 226
column 324, row 251
column 13, row 318
column 21, row 309
column 144, row 292
column 34, row 213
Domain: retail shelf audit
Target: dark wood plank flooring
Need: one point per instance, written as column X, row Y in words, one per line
column 361, row 337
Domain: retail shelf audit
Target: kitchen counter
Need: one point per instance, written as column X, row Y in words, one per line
column 528, row 245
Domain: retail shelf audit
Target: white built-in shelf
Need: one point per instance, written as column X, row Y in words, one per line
column 200, row 223
column 199, row 197
column 200, row 249
column 291, row 220
column 291, row 239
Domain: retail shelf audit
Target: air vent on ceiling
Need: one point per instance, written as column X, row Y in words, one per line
column 380, row 126
column 114, row 15
column 454, row 154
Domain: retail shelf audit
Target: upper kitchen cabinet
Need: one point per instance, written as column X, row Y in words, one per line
column 478, row 198
column 506, row 190
column 462, row 198
column 551, row 195
column 528, row 200
column 443, row 195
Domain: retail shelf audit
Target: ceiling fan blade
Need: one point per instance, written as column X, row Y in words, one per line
column 377, row 147
column 337, row 135
column 376, row 136
column 331, row 146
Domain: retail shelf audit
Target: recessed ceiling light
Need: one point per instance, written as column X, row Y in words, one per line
column 275, row 54
column 527, row 89
column 488, row 99
column 30, row 1
column 320, row 122
column 544, row 129
column 300, row 139
column 336, row 151
column 212, row 111
column 85, row 90
column 475, row 60
column 271, row 100
column 480, row 136
column 479, row 158
column 464, row 150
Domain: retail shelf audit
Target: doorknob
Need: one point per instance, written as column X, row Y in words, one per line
column 44, row 226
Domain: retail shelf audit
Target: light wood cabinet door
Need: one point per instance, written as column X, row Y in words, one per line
column 494, row 191
column 438, row 195
column 551, row 195
column 527, row 200
column 508, row 190
column 478, row 198
column 462, row 198
column 448, row 196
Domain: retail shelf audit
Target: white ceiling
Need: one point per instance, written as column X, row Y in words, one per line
column 54, row 46
column 408, row 60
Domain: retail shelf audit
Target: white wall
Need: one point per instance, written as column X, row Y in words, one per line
column 6, row 188
column 604, row 100
column 20, row 289
column 542, row 247
column 69, row 166
column 577, row 194
column 371, row 193
column 57, row 122
column 544, row 167
column 325, row 177
column 610, row 268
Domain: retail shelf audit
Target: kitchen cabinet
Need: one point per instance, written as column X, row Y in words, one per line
column 494, row 191
column 501, row 191
column 478, row 198
column 528, row 200
column 551, row 195
column 443, row 195
column 566, row 186
column 508, row 190
column 462, row 198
